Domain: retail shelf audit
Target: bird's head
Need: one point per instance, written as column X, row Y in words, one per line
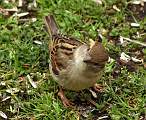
column 96, row 55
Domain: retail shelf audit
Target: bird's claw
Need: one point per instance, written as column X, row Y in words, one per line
column 65, row 101
column 98, row 87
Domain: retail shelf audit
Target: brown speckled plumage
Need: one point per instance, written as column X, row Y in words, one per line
column 74, row 62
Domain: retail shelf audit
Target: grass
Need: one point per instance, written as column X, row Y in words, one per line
column 124, row 97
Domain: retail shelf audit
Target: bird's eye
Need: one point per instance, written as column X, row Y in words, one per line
column 96, row 64
column 88, row 49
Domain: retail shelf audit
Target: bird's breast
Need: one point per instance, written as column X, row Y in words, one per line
column 76, row 78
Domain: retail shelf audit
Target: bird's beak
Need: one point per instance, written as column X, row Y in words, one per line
column 87, row 58
column 91, row 43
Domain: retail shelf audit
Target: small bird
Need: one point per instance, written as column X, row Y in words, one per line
column 74, row 65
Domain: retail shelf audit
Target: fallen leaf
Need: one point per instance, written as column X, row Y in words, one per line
column 125, row 57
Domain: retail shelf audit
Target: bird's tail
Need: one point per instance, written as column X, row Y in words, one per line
column 51, row 25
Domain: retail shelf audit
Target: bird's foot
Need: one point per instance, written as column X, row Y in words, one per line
column 98, row 87
column 64, row 100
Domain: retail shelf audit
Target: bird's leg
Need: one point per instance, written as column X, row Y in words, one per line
column 92, row 102
column 98, row 87
column 63, row 98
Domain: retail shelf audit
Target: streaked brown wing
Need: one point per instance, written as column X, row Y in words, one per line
column 61, row 51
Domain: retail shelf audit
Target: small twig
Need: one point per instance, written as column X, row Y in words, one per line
column 103, row 117
column 3, row 115
column 20, row 3
column 134, row 41
column 31, row 81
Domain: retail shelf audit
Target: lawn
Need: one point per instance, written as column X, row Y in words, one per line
column 27, row 90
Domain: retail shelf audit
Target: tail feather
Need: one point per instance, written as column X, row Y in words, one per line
column 51, row 25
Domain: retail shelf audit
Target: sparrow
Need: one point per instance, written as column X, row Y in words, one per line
column 74, row 65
